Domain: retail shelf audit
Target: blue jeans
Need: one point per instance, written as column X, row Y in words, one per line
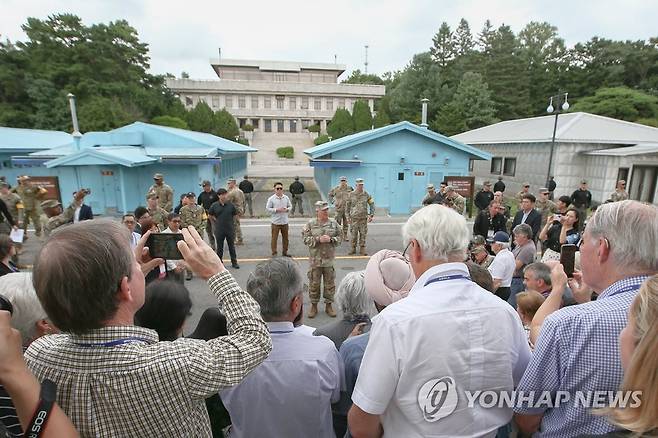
column 516, row 287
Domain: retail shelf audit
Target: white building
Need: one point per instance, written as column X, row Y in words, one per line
column 599, row 149
column 279, row 99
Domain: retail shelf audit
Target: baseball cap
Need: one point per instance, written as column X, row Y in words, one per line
column 158, row 176
column 205, row 183
column 4, row 184
column 221, row 191
column 543, row 190
column 526, row 184
column 359, row 180
column 343, row 178
column 190, row 195
column 487, row 183
column 583, row 181
column 151, row 195
column 500, row 237
column 50, row 203
column 321, row 205
column 430, row 186
column 231, row 179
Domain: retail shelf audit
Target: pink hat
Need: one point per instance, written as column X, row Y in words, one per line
column 388, row 277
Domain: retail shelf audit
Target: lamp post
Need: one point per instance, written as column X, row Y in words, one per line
column 561, row 105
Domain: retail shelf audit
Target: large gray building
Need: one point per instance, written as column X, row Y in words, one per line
column 279, row 99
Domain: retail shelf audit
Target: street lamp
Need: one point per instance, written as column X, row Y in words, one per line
column 562, row 105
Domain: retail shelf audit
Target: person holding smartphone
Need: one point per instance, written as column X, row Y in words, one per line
column 560, row 229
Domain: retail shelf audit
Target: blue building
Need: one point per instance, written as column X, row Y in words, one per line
column 118, row 165
column 396, row 161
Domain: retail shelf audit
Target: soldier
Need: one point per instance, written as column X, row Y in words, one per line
column 157, row 213
column 454, row 200
column 236, row 197
column 322, row 235
column 360, row 209
column 192, row 213
column 58, row 217
column 545, row 206
column 525, row 190
column 484, row 197
column 297, row 191
column 620, row 193
column 338, row 196
column 164, row 192
column 31, row 195
column 429, row 197
column 247, row 188
column 15, row 208
column 206, row 198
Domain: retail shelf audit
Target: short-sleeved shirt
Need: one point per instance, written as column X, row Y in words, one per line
column 502, row 267
column 448, row 335
column 578, row 350
column 526, row 254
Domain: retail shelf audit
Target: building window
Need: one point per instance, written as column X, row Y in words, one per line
column 268, row 125
column 215, row 101
column 267, row 102
column 644, row 184
column 242, row 102
column 279, row 126
column 400, row 176
column 293, row 126
column 292, row 103
column 254, row 102
column 279, row 77
column 471, row 162
column 509, row 168
column 306, row 123
column 228, row 102
column 242, row 122
column 254, row 123
column 188, row 101
column 304, row 102
column 317, row 104
column 341, row 103
column 279, row 101
column 496, row 165
column 622, row 174
column 330, row 104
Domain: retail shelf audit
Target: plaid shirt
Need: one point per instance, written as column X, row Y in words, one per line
column 578, row 350
column 120, row 381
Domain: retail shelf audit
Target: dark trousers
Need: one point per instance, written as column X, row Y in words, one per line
column 516, row 287
column 283, row 229
column 230, row 238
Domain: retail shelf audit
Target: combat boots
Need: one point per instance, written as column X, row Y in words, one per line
column 363, row 251
column 329, row 310
column 313, row 311
column 353, row 250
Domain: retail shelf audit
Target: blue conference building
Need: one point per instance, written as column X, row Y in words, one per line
column 118, row 165
column 396, row 161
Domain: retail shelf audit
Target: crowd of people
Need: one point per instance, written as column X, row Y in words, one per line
column 421, row 333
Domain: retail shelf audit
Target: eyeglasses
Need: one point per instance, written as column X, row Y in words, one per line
column 279, row 188
column 176, row 221
column 404, row 253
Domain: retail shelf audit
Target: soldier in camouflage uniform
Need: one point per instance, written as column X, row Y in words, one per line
column 236, row 197
column 58, row 217
column 157, row 213
column 454, row 200
column 163, row 191
column 545, row 206
column 360, row 209
column 195, row 215
column 31, row 195
column 429, row 197
column 620, row 193
column 525, row 190
column 322, row 235
column 338, row 196
column 15, row 207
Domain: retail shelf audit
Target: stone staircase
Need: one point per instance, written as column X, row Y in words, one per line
column 267, row 144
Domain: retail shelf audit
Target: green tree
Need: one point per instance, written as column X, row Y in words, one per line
column 463, row 39
column 443, row 45
column 620, row 103
column 225, row 125
column 98, row 113
column 357, row 77
column 362, row 116
column 381, row 118
column 201, row 118
column 485, row 38
column 341, row 124
column 173, row 122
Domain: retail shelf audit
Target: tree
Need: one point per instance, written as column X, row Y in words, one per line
column 485, row 38
column 443, row 45
column 341, row 124
column 620, row 103
column 357, row 77
column 173, row 122
column 362, row 116
column 381, row 118
column 225, row 125
column 201, row 118
column 463, row 39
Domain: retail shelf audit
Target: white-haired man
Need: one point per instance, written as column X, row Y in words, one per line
column 577, row 349
column 448, row 336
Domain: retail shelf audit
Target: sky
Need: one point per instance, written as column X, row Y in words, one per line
column 184, row 34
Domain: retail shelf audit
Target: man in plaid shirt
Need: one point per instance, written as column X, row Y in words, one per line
column 116, row 379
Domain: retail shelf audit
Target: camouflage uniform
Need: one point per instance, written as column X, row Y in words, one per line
column 31, row 197
column 57, row 221
column 359, row 207
column 194, row 215
column 236, row 197
column 15, row 207
column 321, row 257
column 165, row 196
column 619, row 196
column 159, row 216
column 429, row 197
column 546, row 208
column 338, row 196
column 458, row 203
column 519, row 196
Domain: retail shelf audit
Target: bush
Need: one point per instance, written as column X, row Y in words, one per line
column 285, row 152
column 173, row 122
column 321, row 139
column 313, row 128
column 243, row 141
column 247, row 127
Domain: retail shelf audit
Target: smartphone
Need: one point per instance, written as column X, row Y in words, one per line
column 568, row 258
column 164, row 246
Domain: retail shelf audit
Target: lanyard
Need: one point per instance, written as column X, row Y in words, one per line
column 624, row 289
column 446, row 278
column 114, row 343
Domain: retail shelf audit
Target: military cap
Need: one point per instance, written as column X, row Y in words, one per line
column 321, row 205
column 158, row 176
column 543, row 190
column 221, row 191
column 190, row 195
column 478, row 249
column 4, row 184
column 487, row 183
column 205, row 183
column 151, row 195
column 359, row 180
column 583, row 181
column 343, row 178
column 50, row 203
column 430, row 186
column 231, row 179
column 526, row 184
column 23, row 178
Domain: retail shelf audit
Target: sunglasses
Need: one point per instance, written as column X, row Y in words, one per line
column 279, row 188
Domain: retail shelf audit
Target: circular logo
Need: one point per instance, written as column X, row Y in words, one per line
column 438, row 398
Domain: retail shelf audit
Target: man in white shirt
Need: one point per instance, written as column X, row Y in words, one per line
column 278, row 205
column 503, row 265
column 129, row 221
column 290, row 394
column 447, row 337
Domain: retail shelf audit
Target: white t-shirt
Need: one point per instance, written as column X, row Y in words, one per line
column 502, row 267
column 448, row 331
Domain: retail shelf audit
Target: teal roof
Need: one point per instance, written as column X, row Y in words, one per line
column 365, row 136
column 129, row 156
column 18, row 139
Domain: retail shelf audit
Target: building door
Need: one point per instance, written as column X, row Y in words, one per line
column 110, row 189
column 644, row 184
column 401, row 197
